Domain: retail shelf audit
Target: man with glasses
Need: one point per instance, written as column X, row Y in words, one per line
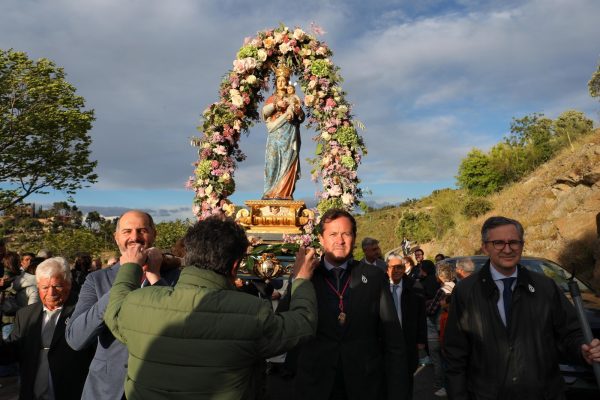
column 410, row 306
column 506, row 325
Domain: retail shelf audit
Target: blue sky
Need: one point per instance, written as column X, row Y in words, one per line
column 429, row 79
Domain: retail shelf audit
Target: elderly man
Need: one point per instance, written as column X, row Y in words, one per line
column 135, row 229
column 49, row 368
column 506, row 325
column 464, row 268
column 359, row 349
column 410, row 304
column 203, row 339
column 372, row 253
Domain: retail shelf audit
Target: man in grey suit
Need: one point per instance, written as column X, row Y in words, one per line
column 373, row 254
column 107, row 372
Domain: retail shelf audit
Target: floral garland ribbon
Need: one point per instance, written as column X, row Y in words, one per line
column 339, row 145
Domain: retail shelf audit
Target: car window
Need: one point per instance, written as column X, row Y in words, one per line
column 556, row 273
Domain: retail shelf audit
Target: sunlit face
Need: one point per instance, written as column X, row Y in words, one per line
column 54, row 291
column 506, row 259
column 396, row 269
column 25, row 261
column 419, row 256
column 337, row 240
column 134, row 228
column 372, row 252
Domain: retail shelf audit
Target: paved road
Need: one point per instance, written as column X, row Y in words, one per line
column 423, row 390
column 279, row 388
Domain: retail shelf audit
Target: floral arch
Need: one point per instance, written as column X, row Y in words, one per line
column 339, row 146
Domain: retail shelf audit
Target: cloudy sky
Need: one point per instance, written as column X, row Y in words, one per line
column 430, row 79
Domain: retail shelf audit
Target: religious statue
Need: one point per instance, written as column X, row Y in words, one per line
column 283, row 115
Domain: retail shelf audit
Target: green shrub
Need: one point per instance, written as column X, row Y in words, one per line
column 415, row 226
column 476, row 206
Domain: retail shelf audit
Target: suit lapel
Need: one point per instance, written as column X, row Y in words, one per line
column 59, row 330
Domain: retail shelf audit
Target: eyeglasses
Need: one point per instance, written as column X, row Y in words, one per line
column 501, row 244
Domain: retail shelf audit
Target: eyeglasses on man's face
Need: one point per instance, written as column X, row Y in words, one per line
column 501, row 244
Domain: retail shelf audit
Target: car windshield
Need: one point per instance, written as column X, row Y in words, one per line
column 547, row 267
column 554, row 271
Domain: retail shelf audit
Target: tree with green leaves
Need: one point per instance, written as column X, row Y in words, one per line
column 93, row 220
column 44, row 141
column 594, row 83
column 477, row 175
column 169, row 232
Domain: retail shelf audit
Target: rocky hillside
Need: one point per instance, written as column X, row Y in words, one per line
column 558, row 204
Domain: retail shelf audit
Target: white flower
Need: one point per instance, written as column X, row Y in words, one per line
column 236, row 98
column 251, row 79
column 298, row 34
column 262, row 55
column 325, row 135
column 305, row 52
column 284, row 48
column 208, row 190
column 334, row 191
column 347, row 198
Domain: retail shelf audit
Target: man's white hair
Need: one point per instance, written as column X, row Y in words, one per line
column 393, row 256
column 55, row 266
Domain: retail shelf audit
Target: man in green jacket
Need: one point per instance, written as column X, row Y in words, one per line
column 202, row 339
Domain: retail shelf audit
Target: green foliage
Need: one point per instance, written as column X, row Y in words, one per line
column 533, row 140
column 30, row 224
column 571, row 125
column 416, row 226
column 594, row 83
column 43, row 130
column 476, row 206
column 477, row 174
column 168, row 233
column 332, row 202
column 94, row 220
column 69, row 242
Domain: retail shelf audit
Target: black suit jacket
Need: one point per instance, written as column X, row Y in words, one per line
column 68, row 367
column 369, row 348
column 414, row 321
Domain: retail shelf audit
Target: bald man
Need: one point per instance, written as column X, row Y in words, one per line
column 107, row 373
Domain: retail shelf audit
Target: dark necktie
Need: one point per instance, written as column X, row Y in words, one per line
column 41, row 383
column 337, row 273
column 507, row 297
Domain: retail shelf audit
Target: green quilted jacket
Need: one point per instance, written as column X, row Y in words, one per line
column 201, row 339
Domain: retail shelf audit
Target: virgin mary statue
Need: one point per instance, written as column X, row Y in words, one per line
column 283, row 115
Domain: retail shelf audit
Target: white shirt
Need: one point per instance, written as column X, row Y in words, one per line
column 398, row 299
column 497, row 277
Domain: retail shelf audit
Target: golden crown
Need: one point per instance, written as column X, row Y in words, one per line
column 283, row 70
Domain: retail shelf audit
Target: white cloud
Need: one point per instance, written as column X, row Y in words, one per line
column 428, row 84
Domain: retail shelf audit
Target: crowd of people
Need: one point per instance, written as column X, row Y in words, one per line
column 151, row 326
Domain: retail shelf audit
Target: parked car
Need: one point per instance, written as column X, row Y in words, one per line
column 581, row 383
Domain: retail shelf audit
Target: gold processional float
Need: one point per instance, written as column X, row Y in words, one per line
column 277, row 223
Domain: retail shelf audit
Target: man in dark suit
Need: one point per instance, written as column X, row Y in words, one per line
column 359, row 350
column 107, row 373
column 49, row 368
column 372, row 253
column 409, row 301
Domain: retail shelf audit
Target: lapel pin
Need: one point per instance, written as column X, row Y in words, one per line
column 364, row 279
column 531, row 288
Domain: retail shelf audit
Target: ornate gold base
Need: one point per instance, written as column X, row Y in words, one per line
column 274, row 216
